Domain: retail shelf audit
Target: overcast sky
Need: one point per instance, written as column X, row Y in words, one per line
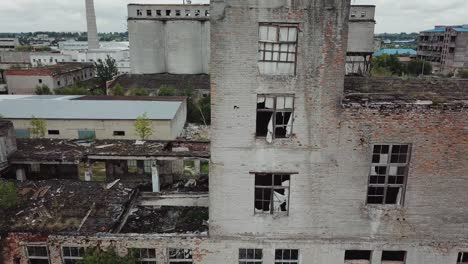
column 69, row 15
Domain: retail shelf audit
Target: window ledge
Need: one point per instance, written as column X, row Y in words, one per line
column 385, row 206
column 273, row 216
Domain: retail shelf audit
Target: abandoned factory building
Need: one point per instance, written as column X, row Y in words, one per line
column 96, row 117
column 305, row 166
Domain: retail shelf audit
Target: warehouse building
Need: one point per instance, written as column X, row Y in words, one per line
column 94, row 117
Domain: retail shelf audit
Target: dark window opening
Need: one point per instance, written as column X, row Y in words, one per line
column 119, row 133
column 274, row 116
column 197, row 13
column 453, row 39
column 462, row 258
column 358, row 254
column 287, row 256
column 53, row 132
column 158, row 12
column 168, row 12
column 452, row 50
column 394, row 256
column 250, row 255
column 272, row 193
column 188, row 13
column 207, row 13
column 139, row 13
column 353, row 14
column 149, row 12
column 387, row 177
column 40, row 80
column 177, row 12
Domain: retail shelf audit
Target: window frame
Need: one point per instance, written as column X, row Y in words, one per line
column 272, row 188
column 175, row 260
column 274, row 111
column 37, row 257
column 405, row 254
column 140, row 260
column 262, row 44
column 72, row 258
column 247, row 260
column 460, row 257
column 54, row 132
column 292, row 261
column 118, row 133
column 387, row 165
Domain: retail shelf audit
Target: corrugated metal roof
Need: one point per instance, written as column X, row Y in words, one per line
column 87, row 109
column 395, row 52
column 434, row 30
column 463, row 29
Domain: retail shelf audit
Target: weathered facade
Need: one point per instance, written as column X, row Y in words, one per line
column 7, row 143
column 169, row 38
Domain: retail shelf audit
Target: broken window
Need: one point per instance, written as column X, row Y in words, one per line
column 168, row 12
column 363, row 14
column 180, row 256
column 144, row 255
column 363, row 256
column 119, row 133
column 35, row 167
column 462, row 258
column 353, row 14
column 139, row 13
column 388, row 173
column 197, row 13
column 277, row 48
column 132, row 166
column 158, row 12
column 250, row 256
column 177, row 12
column 22, row 133
column 207, row 13
column 37, row 254
column 394, row 257
column 72, row 255
column 188, row 13
column 147, row 164
column 53, row 132
column 274, row 116
column 86, row 134
column 149, row 12
column 272, row 193
column 287, row 256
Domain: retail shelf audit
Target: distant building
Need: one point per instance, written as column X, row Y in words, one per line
column 9, row 43
column 169, row 38
column 446, row 47
column 360, row 39
column 81, row 117
column 47, row 59
column 25, row 81
column 19, row 59
column 406, row 52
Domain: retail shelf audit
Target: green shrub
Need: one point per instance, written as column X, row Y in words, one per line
column 97, row 256
column 463, row 74
column 8, row 195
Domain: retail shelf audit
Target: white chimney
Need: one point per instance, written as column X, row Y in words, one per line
column 93, row 40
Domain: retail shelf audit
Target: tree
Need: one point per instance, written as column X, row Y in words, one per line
column 143, row 127
column 118, row 90
column 390, row 62
column 204, row 106
column 8, row 195
column 38, row 127
column 463, row 74
column 106, row 70
column 98, row 256
column 134, row 91
column 418, row 67
column 42, row 90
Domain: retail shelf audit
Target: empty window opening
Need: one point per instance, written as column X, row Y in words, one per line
column 462, row 258
column 119, row 133
column 158, row 13
column 40, row 80
column 35, row 167
column 188, row 13
column 207, row 13
column 272, row 193
column 274, row 116
column 180, row 256
column 250, row 255
column 168, row 12
column 358, row 255
column 353, row 14
column 197, row 13
column 149, row 12
column 144, row 255
column 72, row 255
column 451, row 50
column 363, row 14
column 177, row 13
column 277, row 49
column 37, row 254
column 53, row 132
column 132, row 166
column 139, row 13
column 287, row 256
column 388, row 173
column 394, row 256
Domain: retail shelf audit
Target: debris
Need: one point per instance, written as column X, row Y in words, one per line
column 104, row 146
column 110, row 185
column 139, row 142
column 191, row 183
column 86, row 217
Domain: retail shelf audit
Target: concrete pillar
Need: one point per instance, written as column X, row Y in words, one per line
column 155, row 177
column 88, row 172
column 93, row 40
column 196, row 168
column 20, row 174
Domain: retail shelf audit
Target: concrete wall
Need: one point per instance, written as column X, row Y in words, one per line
column 7, row 142
column 361, row 28
column 48, row 59
column 178, row 123
column 162, row 130
column 177, row 45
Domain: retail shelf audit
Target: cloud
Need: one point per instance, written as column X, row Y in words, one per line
column 69, row 15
